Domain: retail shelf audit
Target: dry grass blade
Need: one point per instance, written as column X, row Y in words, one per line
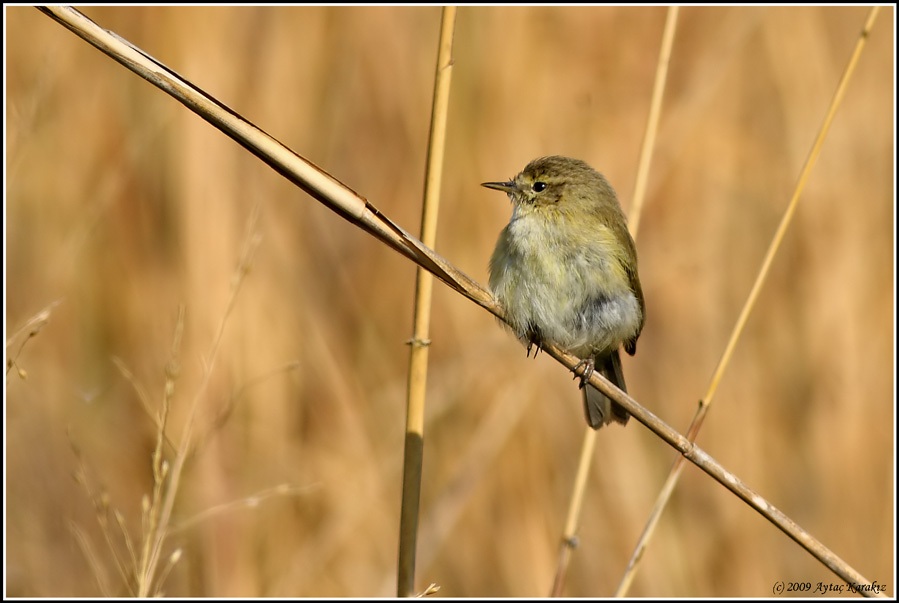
column 249, row 502
column 144, row 399
column 166, row 476
column 100, row 503
column 155, row 516
column 33, row 326
column 93, row 559
column 227, row 409
column 706, row 401
column 142, row 395
column 569, row 537
column 418, row 356
column 652, row 123
column 432, row 589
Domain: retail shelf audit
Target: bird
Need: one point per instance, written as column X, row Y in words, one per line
column 564, row 270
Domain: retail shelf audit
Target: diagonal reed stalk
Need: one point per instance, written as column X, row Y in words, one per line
column 424, row 284
column 569, row 537
column 355, row 209
column 706, row 401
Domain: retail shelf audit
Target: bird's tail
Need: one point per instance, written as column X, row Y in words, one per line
column 598, row 408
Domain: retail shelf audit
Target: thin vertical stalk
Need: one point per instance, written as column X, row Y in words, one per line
column 652, row 125
column 569, row 538
column 418, row 356
column 706, row 401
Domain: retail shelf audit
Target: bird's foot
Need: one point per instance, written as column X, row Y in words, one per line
column 535, row 343
column 588, row 365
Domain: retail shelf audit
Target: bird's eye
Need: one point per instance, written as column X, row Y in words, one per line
column 539, row 186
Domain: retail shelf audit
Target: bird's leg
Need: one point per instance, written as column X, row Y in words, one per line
column 589, row 365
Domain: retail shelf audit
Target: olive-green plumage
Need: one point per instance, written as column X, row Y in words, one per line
column 565, row 270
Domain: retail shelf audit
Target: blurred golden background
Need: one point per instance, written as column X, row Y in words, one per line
column 121, row 204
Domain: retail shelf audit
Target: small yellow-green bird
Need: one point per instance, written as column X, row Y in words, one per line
column 565, row 271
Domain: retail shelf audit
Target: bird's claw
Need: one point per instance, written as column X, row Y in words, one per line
column 533, row 343
column 588, row 365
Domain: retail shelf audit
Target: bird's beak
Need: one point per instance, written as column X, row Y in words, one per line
column 506, row 187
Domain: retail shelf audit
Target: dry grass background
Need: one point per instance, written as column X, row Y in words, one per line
column 123, row 205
